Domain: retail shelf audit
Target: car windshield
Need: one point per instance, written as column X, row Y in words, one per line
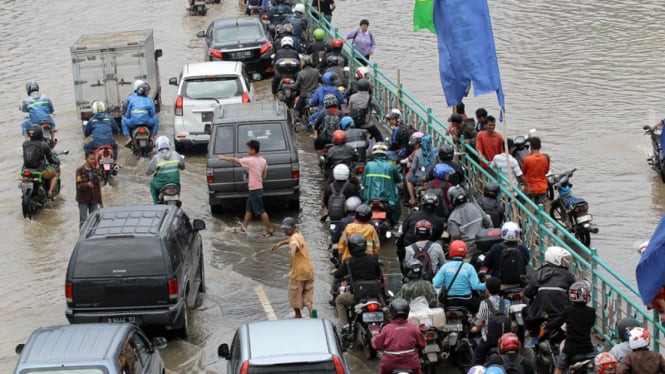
column 119, row 257
column 304, row 368
column 242, row 32
column 212, row 88
column 79, row 370
column 270, row 135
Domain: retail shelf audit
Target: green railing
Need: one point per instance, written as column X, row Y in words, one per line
column 612, row 297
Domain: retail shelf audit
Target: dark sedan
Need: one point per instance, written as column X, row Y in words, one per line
column 239, row 39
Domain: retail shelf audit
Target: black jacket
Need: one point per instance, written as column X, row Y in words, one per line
column 409, row 225
column 579, row 319
column 350, row 190
column 363, row 268
column 341, row 154
column 548, row 292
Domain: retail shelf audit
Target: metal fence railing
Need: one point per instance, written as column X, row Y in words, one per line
column 612, row 296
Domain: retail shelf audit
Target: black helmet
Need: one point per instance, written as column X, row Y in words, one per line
column 399, row 308
column 423, row 229
column 31, row 86
column 363, row 213
column 357, row 244
column 491, row 190
column 36, row 133
column 363, row 85
column 446, row 152
column 457, row 195
column 330, row 101
column 414, row 269
column 429, row 201
column 624, row 326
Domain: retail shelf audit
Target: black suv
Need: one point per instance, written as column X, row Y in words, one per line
column 136, row 263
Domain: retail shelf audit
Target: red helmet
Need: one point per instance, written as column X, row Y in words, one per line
column 508, row 342
column 337, row 43
column 604, row 363
column 579, row 292
column 339, row 137
column 457, row 249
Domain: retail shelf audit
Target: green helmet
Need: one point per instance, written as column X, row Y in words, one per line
column 319, row 34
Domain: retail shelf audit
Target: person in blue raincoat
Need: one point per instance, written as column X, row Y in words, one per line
column 102, row 127
column 380, row 179
column 38, row 106
column 140, row 111
column 328, row 79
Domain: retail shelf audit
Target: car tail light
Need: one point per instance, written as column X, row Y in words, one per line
column 516, row 297
column 172, row 285
column 339, row 368
column 69, row 291
column 265, row 47
column 373, row 307
column 210, row 176
column 244, row 369
column 270, row 69
column 216, row 53
column 178, row 106
column 295, row 171
column 245, row 97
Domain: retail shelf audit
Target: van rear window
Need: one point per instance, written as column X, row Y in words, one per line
column 304, row 368
column 212, row 88
column 119, row 257
column 223, row 140
column 270, row 135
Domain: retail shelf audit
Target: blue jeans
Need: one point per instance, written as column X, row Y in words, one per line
column 127, row 126
column 301, row 103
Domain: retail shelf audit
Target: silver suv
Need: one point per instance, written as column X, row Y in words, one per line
column 201, row 87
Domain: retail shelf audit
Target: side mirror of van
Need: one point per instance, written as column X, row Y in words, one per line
column 158, row 53
column 159, row 343
column 223, row 351
column 199, row 225
column 201, row 34
column 173, row 81
column 19, row 348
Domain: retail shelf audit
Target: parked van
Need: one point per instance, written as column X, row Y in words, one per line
column 233, row 126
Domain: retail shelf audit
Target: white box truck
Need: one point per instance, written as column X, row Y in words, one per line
column 105, row 66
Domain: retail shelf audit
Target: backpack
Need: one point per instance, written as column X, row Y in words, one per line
column 511, row 265
column 498, row 322
column 422, row 255
column 359, row 115
column 33, row 156
column 512, row 367
column 331, row 122
column 336, row 202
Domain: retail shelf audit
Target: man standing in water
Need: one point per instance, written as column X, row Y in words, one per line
column 301, row 282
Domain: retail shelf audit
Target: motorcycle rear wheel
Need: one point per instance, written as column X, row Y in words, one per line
column 661, row 169
column 558, row 213
column 583, row 236
column 365, row 340
column 26, row 205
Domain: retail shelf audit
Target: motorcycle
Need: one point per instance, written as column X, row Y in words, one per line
column 455, row 342
column 570, row 211
column 170, row 194
column 521, row 149
column 656, row 158
column 105, row 165
column 198, row 8
column 381, row 217
column 49, row 136
column 429, row 357
column 253, row 8
column 366, row 319
column 34, row 192
column 141, row 143
column 517, row 305
column 287, row 68
column 549, row 347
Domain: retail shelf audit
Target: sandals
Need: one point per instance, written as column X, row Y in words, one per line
column 240, row 229
column 267, row 234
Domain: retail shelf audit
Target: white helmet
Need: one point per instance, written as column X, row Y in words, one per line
column 138, row 84
column 639, row 338
column 379, row 149
column 478, row 369
column 300, row 7
column 341, row 172
column 510, row 232
column 352, row 203
column 163, row 143
column 556, row 255
column 287, row 41
column 98, row 107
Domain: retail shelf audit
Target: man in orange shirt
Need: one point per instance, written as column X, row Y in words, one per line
column 535, row 168
column 488, row 142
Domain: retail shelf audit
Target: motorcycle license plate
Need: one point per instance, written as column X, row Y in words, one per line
column 373, row 317
column 130, row 319
column 453, row 327
column 170, row 197
column 104, row 161
column 585, row 218
column 24, row 186
column 378, row 215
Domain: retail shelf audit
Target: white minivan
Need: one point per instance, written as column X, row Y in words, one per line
column 201, row 87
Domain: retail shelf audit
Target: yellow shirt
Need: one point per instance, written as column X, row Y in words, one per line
column 366, row 230
column 301, row 266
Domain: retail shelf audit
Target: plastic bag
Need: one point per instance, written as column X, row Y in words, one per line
column 420, row 313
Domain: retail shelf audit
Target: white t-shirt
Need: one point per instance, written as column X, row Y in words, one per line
column 500, row 162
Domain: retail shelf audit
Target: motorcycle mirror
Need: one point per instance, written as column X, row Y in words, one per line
column 65, row 152
column 646, row 127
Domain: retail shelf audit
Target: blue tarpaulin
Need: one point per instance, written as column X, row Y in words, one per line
column 466, row 49
column 649, row 272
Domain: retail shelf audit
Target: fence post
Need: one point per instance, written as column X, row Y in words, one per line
column 429, row 120
column 541, row 234
column 656, row 330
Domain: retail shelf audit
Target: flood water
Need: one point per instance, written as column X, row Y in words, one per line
column 586, row 76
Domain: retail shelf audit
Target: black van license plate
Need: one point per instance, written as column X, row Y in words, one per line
column 130, row 319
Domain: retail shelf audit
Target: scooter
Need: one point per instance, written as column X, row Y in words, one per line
column 286, row 91
column 570, row 211
column 455, row 343
column 656, row 158
column 521, row 150
column 365, row 318
column 517, row 305
column 141, row 143
column 105, row 165
column 34, row 191
column 198, row 8
column 429, row 357
column 381, row 217
column 170, row 194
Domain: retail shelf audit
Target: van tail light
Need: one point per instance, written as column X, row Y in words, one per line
column 210, row 176
column 295, row 171
column 245, row 97
column 69, row 291
column 339, row 368
column 172, row 285
column 216, row 53
column 373, row 307
column 178, row 106
column 244, row 369
column 265, row 47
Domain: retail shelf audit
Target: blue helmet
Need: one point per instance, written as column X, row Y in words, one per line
column 345, row 122
column 329, row 78
column 441, row 170
column 564, row 190
column 495, row 369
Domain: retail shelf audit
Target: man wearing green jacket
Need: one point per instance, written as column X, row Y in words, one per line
column 165, row 166
column 380, row 179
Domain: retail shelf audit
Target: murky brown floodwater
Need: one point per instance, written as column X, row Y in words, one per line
column 586, row 76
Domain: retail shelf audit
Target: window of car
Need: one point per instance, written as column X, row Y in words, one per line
column 238, row 33
column 128, row 359
column 224, row 140
column 327, row 367
column 175, row 249
column 270, row 135
column 142, row 348
column 212, row 87
column 119, row 257
column 68, row 370
column 235, row 353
